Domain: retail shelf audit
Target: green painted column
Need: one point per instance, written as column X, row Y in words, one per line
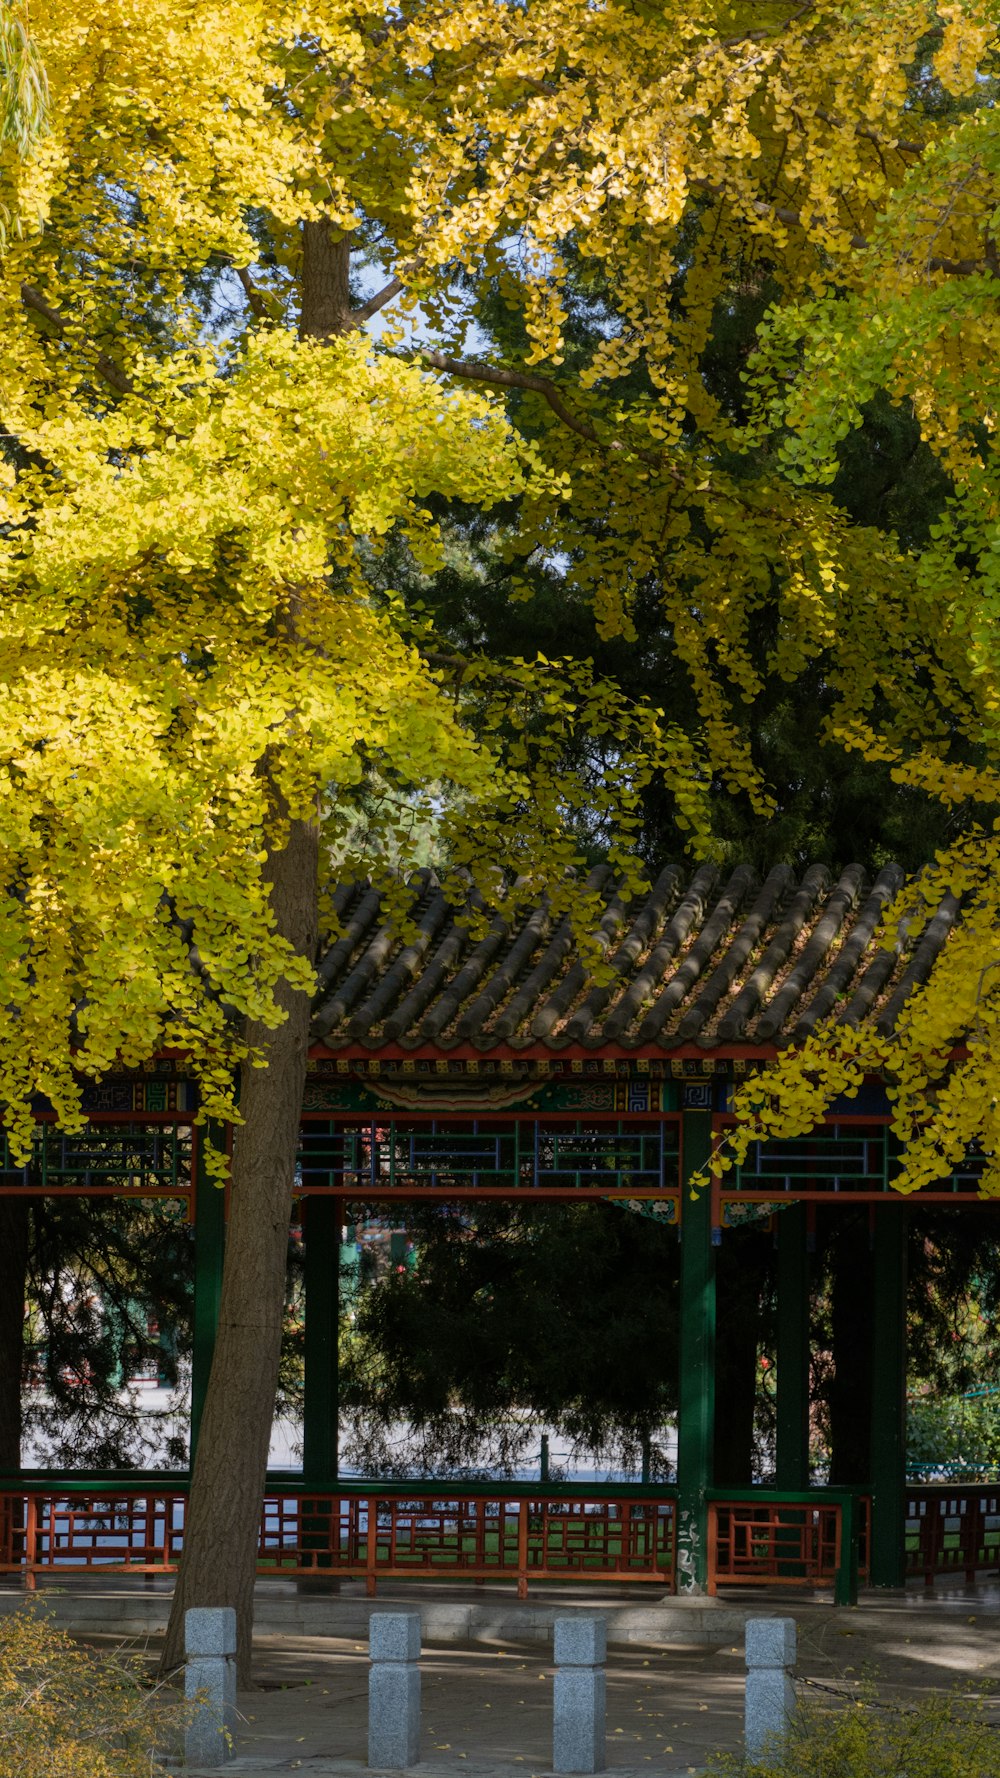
column 696, row 1392
column 888, row 1553
column 792, row 1444
column 209, row 1249
column 322, row 1280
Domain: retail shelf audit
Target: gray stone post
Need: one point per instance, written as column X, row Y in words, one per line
column 770, row 1696
column 394, row 1690
column 579, row 1695
column 210, row 1670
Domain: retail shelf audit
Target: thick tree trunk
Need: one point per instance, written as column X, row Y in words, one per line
column 14, row 1215
column 219, row 1559
column 326, row 295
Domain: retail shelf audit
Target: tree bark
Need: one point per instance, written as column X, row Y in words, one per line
column 326, row 296
column 14, row 1215
column 219, row 1560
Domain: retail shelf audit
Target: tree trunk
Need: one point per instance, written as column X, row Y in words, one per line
column 14, row 1214
column 326, row 295
column 219, row 1561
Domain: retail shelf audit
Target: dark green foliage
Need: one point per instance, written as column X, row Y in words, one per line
column 955, row 1437
column 98, row 1270
column 745, row 1323
column 953, row 1270
column 561, row 1313
column 832, row 806
column 954, row 1298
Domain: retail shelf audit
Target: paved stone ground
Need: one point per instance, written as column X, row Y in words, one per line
column 487, row 1703
column 483, row 1710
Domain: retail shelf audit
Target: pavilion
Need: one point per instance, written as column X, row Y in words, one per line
column 456, row 1067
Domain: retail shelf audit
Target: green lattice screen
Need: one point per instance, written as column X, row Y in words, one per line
column 144, row 1158
column 839, row 1158
column 478, row 1154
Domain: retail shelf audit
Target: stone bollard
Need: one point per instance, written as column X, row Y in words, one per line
column 210, row 1668
column 579, row 1695
column 770, row 1695
column 394, row 1690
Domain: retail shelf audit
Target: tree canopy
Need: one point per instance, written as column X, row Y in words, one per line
column 917, row 666
column 187, row 485
column 244, row 339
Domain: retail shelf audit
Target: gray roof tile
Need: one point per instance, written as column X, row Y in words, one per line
column 691, row 962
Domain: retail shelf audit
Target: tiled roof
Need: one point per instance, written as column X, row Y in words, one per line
column 708, row 959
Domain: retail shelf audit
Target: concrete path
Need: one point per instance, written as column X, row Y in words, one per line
column 485, row 1711
column 487, row 1686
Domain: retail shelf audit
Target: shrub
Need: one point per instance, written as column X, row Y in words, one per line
column 953, row 1435
column 66, row 1712
column 945, row 1737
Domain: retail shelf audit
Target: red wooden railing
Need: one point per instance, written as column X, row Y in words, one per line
column 952, row 1530
column 761, row 1539
column 478, row 1536
column 751, row 1543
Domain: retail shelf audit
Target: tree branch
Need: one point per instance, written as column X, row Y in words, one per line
column 870, row 135
column 366, row 310
column 106, row 367
column 499, row 377
column 255, row 301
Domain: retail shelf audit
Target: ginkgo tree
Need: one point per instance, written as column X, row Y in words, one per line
column 203, row 444
column 917, row 669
